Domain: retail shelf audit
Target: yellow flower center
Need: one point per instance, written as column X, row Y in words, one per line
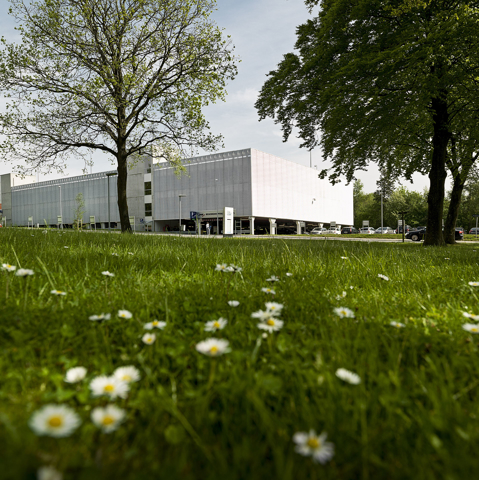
column 55, row 421
column 214, row 349
column 313, row 443
column 109, row 388
column 474, row 329
column 126, row 378
column 154, row 323
column 270, row 322
column 107, row 420
column 216, row 324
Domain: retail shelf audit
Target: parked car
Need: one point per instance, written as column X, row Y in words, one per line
column 474, row 231
column 385, row 230
column 417, row 235
column 346, row 230
column 334, row 230
column 318, row 231
column 399, row 229
column 368, row 230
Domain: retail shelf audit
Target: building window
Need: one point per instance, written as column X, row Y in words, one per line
column 148, row 170
column 147, row 188
column 147, row 209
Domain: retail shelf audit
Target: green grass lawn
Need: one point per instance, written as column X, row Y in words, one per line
column 414, row 415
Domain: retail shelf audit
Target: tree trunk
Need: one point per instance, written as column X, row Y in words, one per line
column 437, row 174
column 450, row 224
column 122, row 200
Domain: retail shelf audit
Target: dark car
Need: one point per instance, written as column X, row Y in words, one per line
column 399, row 229
column 345, row 230
column 417, row 235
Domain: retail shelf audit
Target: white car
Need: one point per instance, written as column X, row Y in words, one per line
column 369, row 230
column 318, row 231
column 385, row 230
column 334, row 230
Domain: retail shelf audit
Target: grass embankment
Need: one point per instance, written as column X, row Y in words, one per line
column 415, row 414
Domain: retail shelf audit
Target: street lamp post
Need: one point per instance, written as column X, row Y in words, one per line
column 61, row 212
column 179, row 213
column 108, row 175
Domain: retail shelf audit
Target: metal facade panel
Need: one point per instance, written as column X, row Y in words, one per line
column 287, row 190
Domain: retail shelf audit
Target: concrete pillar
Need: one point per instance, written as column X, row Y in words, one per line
column 272, row 226
column 298, row 227
column 251, row 225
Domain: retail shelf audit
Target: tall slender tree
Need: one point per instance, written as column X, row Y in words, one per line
column 112, row 75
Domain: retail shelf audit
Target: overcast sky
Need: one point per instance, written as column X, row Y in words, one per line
column 262, row 32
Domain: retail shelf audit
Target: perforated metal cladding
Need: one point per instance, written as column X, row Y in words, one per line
column 211, row 183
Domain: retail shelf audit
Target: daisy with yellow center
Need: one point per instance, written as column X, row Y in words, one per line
column 58, row 293
column 127, row 374
column 471, row 316
column 125, row 314
column 154, row 324
column 344, row 312
column 108, row 418
column 397, row 324
column 109, row 386
column 268, row 290
column 474, row 284
column 316, row 446
column 213, row 347
column 148, row 338
column 214, row 325
column 8, row 268
column 54, row 421
column 471, row 327
column 270, row 324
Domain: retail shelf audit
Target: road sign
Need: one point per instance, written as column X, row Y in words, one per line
column 92, row 219
column 365, row 223
column 332, row 224
column 476, row 216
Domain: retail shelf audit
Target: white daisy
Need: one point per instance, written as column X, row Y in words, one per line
column 316, row 446
column 272, row 324
column 48, row 473
column 154, row 324
column 274, row 308
column 108, row 418
column 102, row 316
column 127, row 374
column 9, row 268
column 131, row 253
column 268, row 290
column 76, row 374
column 445, row 258
column 214, row 325
column 58, row 293
column 471, row 316
column 339, row 297
column 233, row 303
column 125, row 314
column 474, row 284
column 221, row 267
column 383, row 277
column 66, row 247
column 148, row 338
column 54, row 421
column 289, row 274
column 397, row 324
column 108, row 274
column 347, row 376
column 213, row 347
column 23, row 272
column 115, row 254
column 273, row 278
column 234, row 268
column 471, row 327
column 109, row 386
column 345, row 258
column 344, row 312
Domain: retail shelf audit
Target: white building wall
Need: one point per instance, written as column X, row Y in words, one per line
column 284, row 189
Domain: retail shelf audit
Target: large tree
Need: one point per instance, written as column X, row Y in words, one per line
column 113, row 75
column 383, row 81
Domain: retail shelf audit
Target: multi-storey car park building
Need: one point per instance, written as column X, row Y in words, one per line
column 268, row 194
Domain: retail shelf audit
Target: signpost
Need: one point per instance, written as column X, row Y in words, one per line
column 30, row 220
column 402, row 223
column 60, row 221
column 365, row 223
column 92, row 222
column 476, row 217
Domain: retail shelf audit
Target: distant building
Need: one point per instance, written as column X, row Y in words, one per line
column 266, row 192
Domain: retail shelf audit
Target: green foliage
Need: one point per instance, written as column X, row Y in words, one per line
column 414, row 415
column 79, row 211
